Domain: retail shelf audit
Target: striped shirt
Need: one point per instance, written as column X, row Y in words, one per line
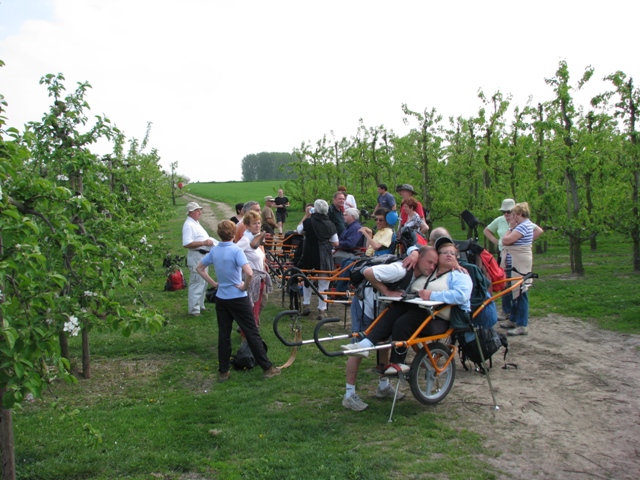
column 526, row 229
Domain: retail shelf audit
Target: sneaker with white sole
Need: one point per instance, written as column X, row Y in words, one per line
column 388, row 392
column 354, row 402
column 518, row 331
column 354, row 346
column 508, row 324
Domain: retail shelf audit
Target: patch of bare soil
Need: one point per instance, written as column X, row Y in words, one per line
column 570, row 410
column 209, row 219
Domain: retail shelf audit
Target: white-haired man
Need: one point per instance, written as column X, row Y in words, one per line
column 196, row 239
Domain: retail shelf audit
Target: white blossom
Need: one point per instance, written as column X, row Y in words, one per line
column 62, row 178
column 88, row 293
column 72, row 326
column 143, row 240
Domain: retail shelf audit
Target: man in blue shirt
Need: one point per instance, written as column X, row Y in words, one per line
column 385, row 199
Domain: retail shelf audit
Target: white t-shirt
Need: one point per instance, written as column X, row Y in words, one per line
column 255, row 256
column 192, row 231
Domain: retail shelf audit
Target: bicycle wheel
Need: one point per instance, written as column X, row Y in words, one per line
column 427, row 385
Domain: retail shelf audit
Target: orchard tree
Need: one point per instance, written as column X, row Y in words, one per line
column 75, row 233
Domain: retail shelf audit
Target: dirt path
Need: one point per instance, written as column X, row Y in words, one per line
column 570, row 410
column 208, row 218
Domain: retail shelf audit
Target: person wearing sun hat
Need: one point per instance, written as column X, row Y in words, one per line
column 197, row 240
column 494, row 233
column 406, row 191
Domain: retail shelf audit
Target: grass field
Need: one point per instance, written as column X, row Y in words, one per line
column 154, row 401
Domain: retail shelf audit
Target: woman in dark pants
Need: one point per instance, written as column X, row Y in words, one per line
column 232, row 302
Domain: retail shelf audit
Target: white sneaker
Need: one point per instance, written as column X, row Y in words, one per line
column 388, row 392
column 508, row 324
column 354, row 402
column 518, row 331
column 355, row 346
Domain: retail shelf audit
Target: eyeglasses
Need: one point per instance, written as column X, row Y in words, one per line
column 451, row 254
column 506, row 211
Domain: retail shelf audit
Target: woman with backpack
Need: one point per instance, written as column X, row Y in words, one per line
column 516, row 243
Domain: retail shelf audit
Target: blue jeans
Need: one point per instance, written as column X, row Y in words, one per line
column 507, row 299
column 359, row 321
column 520, row 311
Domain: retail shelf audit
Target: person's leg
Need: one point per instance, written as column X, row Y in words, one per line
column 197, row 285
column 520, row 314
column 406, row 326
column 323, row 286
column 243, row 315
column 225, row 323
column 508, row 298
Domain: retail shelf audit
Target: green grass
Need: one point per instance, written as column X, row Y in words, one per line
column 160, row 413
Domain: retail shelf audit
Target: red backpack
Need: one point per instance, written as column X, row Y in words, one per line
column 175, row 281
column 493, row 271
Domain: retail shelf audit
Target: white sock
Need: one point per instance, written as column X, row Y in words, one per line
column 384, row 383
column 351, row 389
column 365, row 343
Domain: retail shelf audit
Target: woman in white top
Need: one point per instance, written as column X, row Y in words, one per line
column 251, row 245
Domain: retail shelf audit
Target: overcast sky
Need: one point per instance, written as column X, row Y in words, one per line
column 221, row 80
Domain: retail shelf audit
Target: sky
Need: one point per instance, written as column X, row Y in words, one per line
column 222, row 80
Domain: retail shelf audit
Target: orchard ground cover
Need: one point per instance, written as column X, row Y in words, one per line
column 160, row 413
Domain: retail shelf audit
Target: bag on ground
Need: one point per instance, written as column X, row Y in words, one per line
column 175, row 281
column 244, row 359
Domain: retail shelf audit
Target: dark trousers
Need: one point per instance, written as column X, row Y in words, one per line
column 400, row 322
column 238, row 309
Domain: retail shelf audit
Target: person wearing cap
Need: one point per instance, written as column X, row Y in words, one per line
column 406, row 191
column 282, row 203
column 494, row 233
column 380, row 242
column 196, row 239
column 437, row 277
column 268, row 217
column 385, row 199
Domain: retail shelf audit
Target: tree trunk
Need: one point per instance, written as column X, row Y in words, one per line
column 86, row 357
column 6, row 443
column 64, row 346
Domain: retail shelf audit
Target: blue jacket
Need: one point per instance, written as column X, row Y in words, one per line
column 350, row 238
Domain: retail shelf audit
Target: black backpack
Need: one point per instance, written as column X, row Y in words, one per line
column 356, row 276
column 243, row 359
column 490, row 342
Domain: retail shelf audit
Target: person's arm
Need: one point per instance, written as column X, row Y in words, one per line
column 248, row 275
column 537, row 231
column 271, row 220
column 511, row 237
column 377, row 245
column 460, row 286
column 197, row 244
column 369, row 274
column 488, row 234
column 411, row 259
column 202, row 270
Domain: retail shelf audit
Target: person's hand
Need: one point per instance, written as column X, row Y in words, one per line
column 424, row 294
column 241, row 286
column 411, row 260
column 208, row 242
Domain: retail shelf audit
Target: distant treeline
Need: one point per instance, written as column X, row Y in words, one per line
column 267, row 166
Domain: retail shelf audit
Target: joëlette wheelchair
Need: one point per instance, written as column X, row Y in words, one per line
column 433, row 369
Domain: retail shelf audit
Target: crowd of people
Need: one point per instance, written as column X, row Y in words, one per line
column 333, row 236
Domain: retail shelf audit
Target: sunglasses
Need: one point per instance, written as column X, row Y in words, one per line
column 379, row 219
column 506, row 211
